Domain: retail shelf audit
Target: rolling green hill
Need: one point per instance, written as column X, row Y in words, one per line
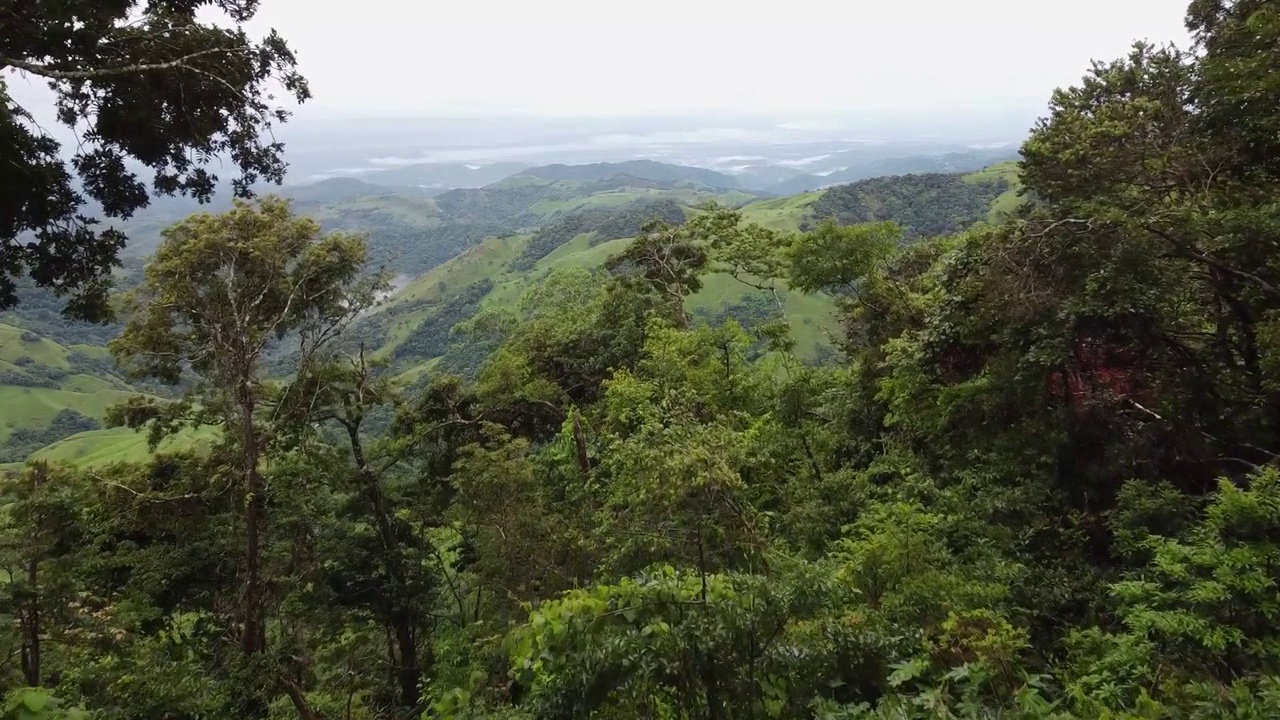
column 856, row 169
column 1009, row 200
column 467, row 250
column 54, row 399
column 924, row 205
column 416, row 326
column 144, row 228
column 927, row 204
column 411, row 232
column 117, row 445
column 788, row 213
column 49, row 391
column 411, row 235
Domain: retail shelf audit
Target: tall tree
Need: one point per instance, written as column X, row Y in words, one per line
column 389, row 575
column 668, row 261
column 43, row 532
column 222, row 291
column 143, row 84
column 1237, row 83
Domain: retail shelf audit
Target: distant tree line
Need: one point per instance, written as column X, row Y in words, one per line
column 25, row 441
column 434, row 336
column 923, row 205
column 606, row 223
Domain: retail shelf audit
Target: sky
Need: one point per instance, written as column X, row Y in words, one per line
column 422, row 75
column 790, row 58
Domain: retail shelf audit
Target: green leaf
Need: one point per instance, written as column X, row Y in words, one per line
column 35, row 700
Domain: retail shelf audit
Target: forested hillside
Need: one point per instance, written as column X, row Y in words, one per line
column 420, row 324
column 407, row 232
column 570, row 224
column 924, row 205
column 855, row 168
column 569, row 475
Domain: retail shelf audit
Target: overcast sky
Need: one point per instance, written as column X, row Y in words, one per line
column 788, row 57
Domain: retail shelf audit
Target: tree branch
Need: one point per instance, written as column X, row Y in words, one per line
column 53, row 74
column 305, row 711
column 1188, row 251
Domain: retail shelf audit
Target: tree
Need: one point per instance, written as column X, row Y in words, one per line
column 1153, row 259
column 145, row 83
column 42, row 507
column 1241, row 44
column 392, row 571
column 751, row 254
column 222, row 291
column 667, row 260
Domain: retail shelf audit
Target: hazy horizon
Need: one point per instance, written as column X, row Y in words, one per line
column 318, row 149
column 570, row 81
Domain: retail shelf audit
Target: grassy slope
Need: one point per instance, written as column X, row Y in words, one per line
column 414, row 211
column 1010, row 199
column 27, row 407
column 43, row 351
column 782, row 213
column 117, row 445
column 492, row 257
column 89, row 395
column 35, row 407
column 811, row 315
column 489, row 259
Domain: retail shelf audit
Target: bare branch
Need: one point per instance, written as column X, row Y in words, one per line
column 54, row 74
column 1188, row 250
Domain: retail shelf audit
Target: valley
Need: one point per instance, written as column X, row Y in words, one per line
column 458, row 253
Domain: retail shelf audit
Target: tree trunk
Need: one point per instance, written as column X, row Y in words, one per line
column 31, row 641
column 408, row 674
column 253, row 640
column 580, row 444
column 402, row 619
column 31, row 621
column 304, row 709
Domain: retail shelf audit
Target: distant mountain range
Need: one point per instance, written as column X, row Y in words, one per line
column 788, row 178
column 644, row 169
column 438, row 177
column 776, row 169
column 862, row 164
